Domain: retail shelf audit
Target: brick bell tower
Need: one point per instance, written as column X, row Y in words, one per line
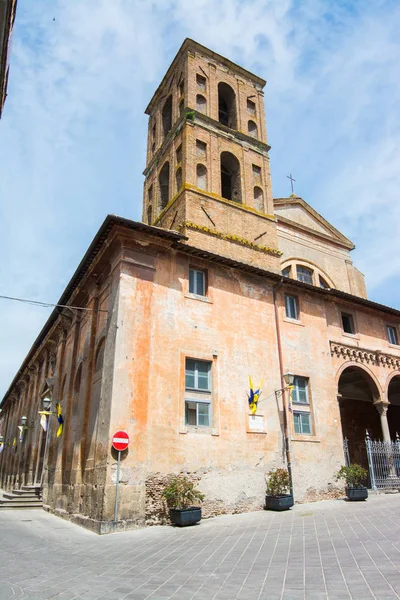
column 207, row 169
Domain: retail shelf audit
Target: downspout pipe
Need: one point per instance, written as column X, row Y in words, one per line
column 283, row 389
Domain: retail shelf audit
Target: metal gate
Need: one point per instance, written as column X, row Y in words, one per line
column 384, row 463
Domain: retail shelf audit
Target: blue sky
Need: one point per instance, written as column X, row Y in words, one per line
column 73, row 132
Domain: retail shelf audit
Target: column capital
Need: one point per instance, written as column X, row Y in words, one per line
column 382, row 408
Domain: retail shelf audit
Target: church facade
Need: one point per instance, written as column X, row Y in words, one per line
column 164, row 321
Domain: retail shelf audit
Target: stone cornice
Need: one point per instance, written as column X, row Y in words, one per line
column 364, row 355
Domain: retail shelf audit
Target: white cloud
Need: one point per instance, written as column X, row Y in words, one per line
column 72, row 138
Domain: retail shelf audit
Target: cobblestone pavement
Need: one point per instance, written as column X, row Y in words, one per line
column 326, row 550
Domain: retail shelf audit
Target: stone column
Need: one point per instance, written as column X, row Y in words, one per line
column 382, row 408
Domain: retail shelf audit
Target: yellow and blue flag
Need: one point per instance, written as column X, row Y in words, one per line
column 59, row 419
column 254, row 396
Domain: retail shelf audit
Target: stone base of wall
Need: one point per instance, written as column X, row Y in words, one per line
column 95, row 525
column 227, row 491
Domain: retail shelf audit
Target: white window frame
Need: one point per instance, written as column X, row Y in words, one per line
column 389, row 329
column 295, row 391
column 302, row 414
column 205, row 402
column 195, row 291
column 310, row 273
column 196, row 375
column 288, row 305
column 196, row 395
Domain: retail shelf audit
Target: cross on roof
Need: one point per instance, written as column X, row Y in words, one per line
column 291, row 181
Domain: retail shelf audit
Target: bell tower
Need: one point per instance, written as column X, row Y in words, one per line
column 207, row 169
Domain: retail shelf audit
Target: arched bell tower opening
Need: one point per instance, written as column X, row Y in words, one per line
column 359, row 398
column 230, row 177
column 393, row 413
column 227, row 106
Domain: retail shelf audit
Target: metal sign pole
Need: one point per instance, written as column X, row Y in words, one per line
column 116, row 489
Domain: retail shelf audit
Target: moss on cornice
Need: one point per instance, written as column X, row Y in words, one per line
column 236, row 239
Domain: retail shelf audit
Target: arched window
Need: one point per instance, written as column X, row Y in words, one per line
column 201, row 104
column 258, row 199
column 230, row 177
column 167, row 115
column 323, row 283
column 99, row 356
column 252, row 129
column 227, row 105
column 163, row 180
column 149, row 214
column 178, row 176
column 201, row 172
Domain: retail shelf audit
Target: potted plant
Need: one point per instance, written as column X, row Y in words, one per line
column 354, row 476
column 278, row 484
column 180, row 495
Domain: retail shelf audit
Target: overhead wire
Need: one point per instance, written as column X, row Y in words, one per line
column 49, row 304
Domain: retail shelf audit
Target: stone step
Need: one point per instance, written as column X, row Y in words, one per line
column 26, row 493
column 10, row 504
column 32, row 487
column 24, row 498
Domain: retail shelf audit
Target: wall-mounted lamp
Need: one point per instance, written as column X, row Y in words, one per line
column 46, row 401
column 24, row 421
column 288, row 378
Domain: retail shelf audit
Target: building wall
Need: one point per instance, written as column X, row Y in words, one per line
column 151, row 325
column 332, row 260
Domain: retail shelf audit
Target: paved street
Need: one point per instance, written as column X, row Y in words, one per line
column 326, row 550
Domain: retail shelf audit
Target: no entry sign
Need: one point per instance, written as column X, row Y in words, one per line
column 120, row 441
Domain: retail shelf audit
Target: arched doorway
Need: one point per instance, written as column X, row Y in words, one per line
column 357, row 393
column 393, row 413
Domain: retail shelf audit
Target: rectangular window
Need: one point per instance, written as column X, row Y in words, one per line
column 181, row 87
column 392, row 335
column 179, row 154
column 197, row 375
column 197, row 413
column 201, row 149
column 256, row 173
column 304, row 274
column 251, row 107
column 302, row 422
column 300, row 391
column 291, row 307
column 198, row 381
column 151, row 193
column 348, row 323
column 201, row 82
column 197, row 282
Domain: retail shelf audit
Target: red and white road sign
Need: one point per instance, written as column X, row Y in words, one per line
column 120, row 441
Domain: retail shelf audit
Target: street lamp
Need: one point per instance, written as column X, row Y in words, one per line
column 46, row 401
column 288, row 378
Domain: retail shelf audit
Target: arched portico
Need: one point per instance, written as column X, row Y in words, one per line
column 361, row 409
column 393, row 413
